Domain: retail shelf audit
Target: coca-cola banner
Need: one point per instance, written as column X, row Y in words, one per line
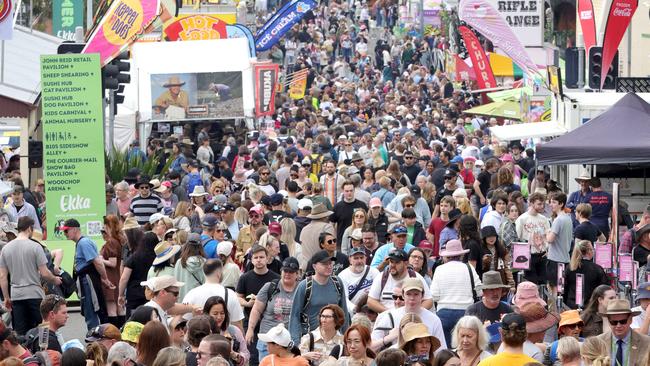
column 266, row 78
column 480, row 62
column 587, row 23
column 485, row 19
column 620, row 15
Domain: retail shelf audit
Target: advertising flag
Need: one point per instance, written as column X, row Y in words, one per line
column 485, row 19
column 266, row 79
column 463, row 71
column 298, row 84
column 480, row 62
column 7, row 8
column 276, row 27
column 587, row 23
column 620, row 15
column 118, row 28
column 67, row 15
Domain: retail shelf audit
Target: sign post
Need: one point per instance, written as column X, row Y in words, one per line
column 73, row 142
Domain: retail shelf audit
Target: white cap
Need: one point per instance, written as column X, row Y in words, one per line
column 224, row 248
column 304, row 203
column 278, row 335
column 155, row 217
column 460, row 193
column 156, row 284
column 479, row 163
column 343, row 137
column 284, row 193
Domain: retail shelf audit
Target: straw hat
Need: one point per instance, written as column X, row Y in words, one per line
column 318, row 212
column 413, row 331
column 198, row 191
column 165, row 250
column 130, row 223
column 584, row 176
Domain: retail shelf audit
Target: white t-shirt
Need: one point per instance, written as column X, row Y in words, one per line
column 637, row 321
column 429, row 319
column 350, row 281
column 385, row 295
column 199, row 295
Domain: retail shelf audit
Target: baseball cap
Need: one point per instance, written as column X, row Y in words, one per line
column 375, row 202
column 356, row 234
column 209, row 221
column 290, row 264
column 425, row 244
column 131, row 331
column 412, row 283
column 513, row 318
column 450, row 173
column 256, row 209
column 155, row 218
column 275, row 228
column 165, row 185
column 227, row 207
column 399, row 229
column 69, row 223
column 276, row 199
column 415, row 191
column 398, row 255
column 305, row 203
column 156, row 284
column 322, row 256
column 224, row 248
column 103, row 331
column 357, row 250
column 194, row 238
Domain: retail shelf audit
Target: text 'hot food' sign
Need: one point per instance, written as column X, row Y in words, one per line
column 525, row 17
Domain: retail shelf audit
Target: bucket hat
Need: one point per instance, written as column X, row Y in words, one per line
column 538, row 319
column 319, row 211
column 454, row 248
column 414, row 331
column 492, row 280
column 527, row 292
column 619, row 306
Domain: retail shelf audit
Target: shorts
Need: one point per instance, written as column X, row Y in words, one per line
column 551, row 272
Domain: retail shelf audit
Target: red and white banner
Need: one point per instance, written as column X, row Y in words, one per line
column 480, row 62
column 620, row 16
column 266, row 79
column 485, row 19
column 587, row 23
column 463, row 70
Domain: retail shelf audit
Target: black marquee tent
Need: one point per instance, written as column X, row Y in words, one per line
column 619, row 135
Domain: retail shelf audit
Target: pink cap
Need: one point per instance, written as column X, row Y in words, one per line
column 275, row 228
column 375, row 202
column 425, row 244
column 470, row 158
column 256, row 209
column 506, row 157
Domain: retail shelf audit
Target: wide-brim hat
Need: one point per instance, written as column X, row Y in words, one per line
column 198, row 191
column 642, row 231
column 319, row 211
column 569, row 317
column 165, row 250
column 173, row 81
column 584, row 175
column 143, row 180
column 618, row 307
column 130, row 223
column 413, row 331
column 538, row 319
column 492, row 280
column 453, row 248
column 454, row 215
column 527, row 292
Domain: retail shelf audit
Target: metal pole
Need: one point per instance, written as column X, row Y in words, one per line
column 421, row 18
column 111, row 121
column 89, row 14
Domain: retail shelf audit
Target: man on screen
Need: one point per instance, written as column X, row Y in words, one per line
column 174, row 96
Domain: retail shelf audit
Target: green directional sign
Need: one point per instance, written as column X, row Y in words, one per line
column 66, row 16
column 73, row 142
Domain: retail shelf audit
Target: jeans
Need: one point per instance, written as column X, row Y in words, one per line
column 262, row 350
column 449, row 318
column 26, row 314
column 87, row 307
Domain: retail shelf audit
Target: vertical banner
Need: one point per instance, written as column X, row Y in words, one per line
column 7, row 9
column 67, row 15
column 118, row 28
column 485, row 19
column 521, row 256
column 266, row 79
column 281, row 22
column 587, row 23
column 625, row 268
column 620, row 16
column 464, row 72
column 580, row 282
column 73, row 144
column 298, row 84
column 603, row 255
column 560, row 277
column 480, row 62
column 635, row 275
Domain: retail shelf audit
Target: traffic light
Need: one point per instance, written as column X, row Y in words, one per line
column 115, row 75
column 595, row 66
column 69, row 47
column 35, row 154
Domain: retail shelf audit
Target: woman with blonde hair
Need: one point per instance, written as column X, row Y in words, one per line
column 288, row 237
column 359, row 219
column 170, row 356
column 464, row 206
column 594, row 352
column 429, row 194
column 241, row 215
column 470, row 340
column 182, row 216
column 217, row 187
column 593, row 274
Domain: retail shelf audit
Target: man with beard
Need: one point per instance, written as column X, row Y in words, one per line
column 358, row 277
column 332, row 182
column 344, row 210
column 247, row 236
column 490, row 307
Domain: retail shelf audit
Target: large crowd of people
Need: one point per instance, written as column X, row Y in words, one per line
column 372, row 224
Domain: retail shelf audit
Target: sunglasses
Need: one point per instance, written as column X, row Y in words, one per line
column 219, row 230
column 175, row 293
column 409, row 206
column 331, row 241
column 265, row 173
column 618, row 322
column 398, row 297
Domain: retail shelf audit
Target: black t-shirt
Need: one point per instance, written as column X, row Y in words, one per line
column 342, row 215
column 438, row 177
column 250, row 283
column 139, row 266
column 484, row 179
column 586, row 231
column 641, row 255
column 190, row 359
column 442, row 193
column 275, row 216
column 476, row 253
column 479, row 310
column 275, row 266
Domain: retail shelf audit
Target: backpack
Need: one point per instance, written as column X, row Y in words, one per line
column 274, row 289
column 384, row 277
column 316, row 163
column 193, row 181
column 304, row 318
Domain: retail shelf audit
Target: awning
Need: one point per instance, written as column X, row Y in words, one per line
column 527, row 130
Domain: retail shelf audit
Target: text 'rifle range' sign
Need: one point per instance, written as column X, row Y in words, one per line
column 525, row 17
column 73, row 142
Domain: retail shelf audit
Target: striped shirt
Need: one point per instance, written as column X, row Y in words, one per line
column 143, row 208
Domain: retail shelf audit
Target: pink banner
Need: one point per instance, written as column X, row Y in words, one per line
column 480, row 62
column 620, row 15
column 485, row 19
column 625, row 268
column 635, row 274
column 579, row 289
column 560, row 277
column 603, row 255
column 520, row 256
column 118, row 28
column 463, row 70
column 587, row 23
